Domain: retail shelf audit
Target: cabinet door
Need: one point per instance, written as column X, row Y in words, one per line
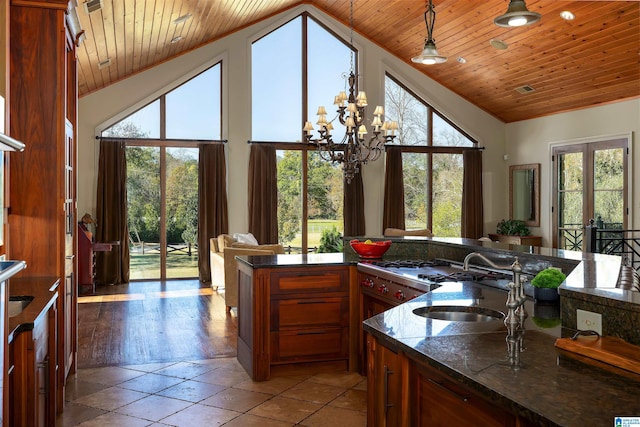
column 442, row 401
column 384, row 385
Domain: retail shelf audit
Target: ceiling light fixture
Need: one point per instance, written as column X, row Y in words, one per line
column 517, row 15
column 498, row 44
column 176, row 39
column 354, row 150
column 429, row 53
column 567, row 15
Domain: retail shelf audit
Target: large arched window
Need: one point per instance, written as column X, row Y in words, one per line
column 162, row 174
column 296, row 68
column 432, row 164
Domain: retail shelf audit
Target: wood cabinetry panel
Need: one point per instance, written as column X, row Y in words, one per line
column 319, row 344
column 323, row 280
column 309, row 313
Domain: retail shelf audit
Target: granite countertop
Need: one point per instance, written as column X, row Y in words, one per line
column 44, row 291
column 545, row 385
column 294, row 260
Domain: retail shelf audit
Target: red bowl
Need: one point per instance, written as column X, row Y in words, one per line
column 370, row 250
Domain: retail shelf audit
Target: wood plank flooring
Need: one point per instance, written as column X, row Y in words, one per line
column 149, row 322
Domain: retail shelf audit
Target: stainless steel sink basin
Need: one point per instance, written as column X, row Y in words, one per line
column 17, row 304
column 455, row 313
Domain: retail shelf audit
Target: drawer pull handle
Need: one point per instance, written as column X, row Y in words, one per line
column 387, row 405
column 312, row 301
column 312, row 333
column 441, row 385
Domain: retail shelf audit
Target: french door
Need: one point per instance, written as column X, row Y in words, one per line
column 162, row 205
column 589, row 182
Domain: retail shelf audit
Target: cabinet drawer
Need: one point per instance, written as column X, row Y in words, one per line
column 305, row 281
column 318, row 344
column 309, row 312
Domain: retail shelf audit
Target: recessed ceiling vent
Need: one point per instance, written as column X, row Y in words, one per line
column 525, row 89
column 104, row 64
column 92, row 6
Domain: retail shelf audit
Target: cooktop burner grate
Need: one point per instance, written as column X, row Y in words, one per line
column 462, row 276
column 412, row 263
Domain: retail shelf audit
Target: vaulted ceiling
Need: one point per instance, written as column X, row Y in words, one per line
column 591, row 60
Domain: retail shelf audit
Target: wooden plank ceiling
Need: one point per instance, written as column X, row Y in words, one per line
column 591, row 60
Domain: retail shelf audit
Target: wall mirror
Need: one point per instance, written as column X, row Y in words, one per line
column 524, row 193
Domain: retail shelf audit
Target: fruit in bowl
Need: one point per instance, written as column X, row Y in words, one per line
column 370, row 249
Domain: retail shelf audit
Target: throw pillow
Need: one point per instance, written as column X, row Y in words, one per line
column 247, row 238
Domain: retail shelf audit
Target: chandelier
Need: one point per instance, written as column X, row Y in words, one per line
column 354, row 150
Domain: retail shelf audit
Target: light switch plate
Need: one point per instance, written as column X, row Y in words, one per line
column 588, row 320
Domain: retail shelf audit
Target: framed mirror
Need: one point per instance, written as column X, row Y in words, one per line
column 524, row 193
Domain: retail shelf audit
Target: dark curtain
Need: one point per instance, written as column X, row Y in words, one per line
column 112, row 267
column 213, row 218
column 393, row 215
column 263, row 193
column 353, row 209
column 472, row 217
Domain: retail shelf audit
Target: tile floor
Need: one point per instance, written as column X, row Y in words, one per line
column 213, row 392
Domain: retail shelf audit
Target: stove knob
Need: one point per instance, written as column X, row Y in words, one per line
column 367, row 283
column 399, row 295
column 383, row 289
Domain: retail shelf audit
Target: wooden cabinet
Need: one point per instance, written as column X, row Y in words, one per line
column 517, row 240
column 402, row 391
column 42, row 113
column 439, row 400
column 384, row 385
column 32, row 378
column 292, row 315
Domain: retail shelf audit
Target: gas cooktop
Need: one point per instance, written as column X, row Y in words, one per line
column 436, row 271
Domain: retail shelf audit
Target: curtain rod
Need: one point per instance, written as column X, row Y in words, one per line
column 439, row 148
column 199, row 141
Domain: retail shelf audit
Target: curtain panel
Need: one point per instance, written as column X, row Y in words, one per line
column 213, row 217
column 393, row 213
column 263, row 193
column 472, row 207
column 353, row 207
column 112, row 267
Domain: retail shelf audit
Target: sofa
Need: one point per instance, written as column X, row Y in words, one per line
column 224, row 267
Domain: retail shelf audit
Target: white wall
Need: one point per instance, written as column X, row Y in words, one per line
column 106, row 106
column 530, row 141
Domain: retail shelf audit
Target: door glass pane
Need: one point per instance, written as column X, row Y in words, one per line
column 570, row 201
column 290, row 199
column 182, row 212
column 608, row 188
column 143, row 205
column 447, row 194
column 324, row 199
column 414, row 170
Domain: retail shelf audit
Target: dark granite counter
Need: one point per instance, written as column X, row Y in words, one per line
column 545, row 385
column 294, row 260
column 44, row 291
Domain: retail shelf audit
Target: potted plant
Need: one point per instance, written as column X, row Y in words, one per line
column 545, row 284
column 512, row 227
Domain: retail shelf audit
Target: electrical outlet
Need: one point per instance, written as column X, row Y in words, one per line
column 588, row 320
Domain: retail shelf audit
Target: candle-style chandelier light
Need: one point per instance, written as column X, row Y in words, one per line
column 354, row 149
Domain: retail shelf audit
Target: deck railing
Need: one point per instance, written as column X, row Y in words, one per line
column 612, row 240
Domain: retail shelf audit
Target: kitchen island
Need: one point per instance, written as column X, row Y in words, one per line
column 545, row 386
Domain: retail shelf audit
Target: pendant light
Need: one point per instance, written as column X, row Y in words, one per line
column 517, row 15
column 429, row 53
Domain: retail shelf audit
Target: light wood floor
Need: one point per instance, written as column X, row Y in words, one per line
column 151, row 322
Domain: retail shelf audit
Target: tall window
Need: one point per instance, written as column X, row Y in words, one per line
column 162, row 175
column 309, row 189
column 589, row 182
column 431, row 160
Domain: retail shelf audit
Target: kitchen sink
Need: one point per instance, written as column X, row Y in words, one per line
column 17, row 304
column 454, row 313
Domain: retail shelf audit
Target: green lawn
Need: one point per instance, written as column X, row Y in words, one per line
column 179, row 265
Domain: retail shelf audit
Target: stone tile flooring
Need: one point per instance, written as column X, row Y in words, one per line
column 212, row 392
